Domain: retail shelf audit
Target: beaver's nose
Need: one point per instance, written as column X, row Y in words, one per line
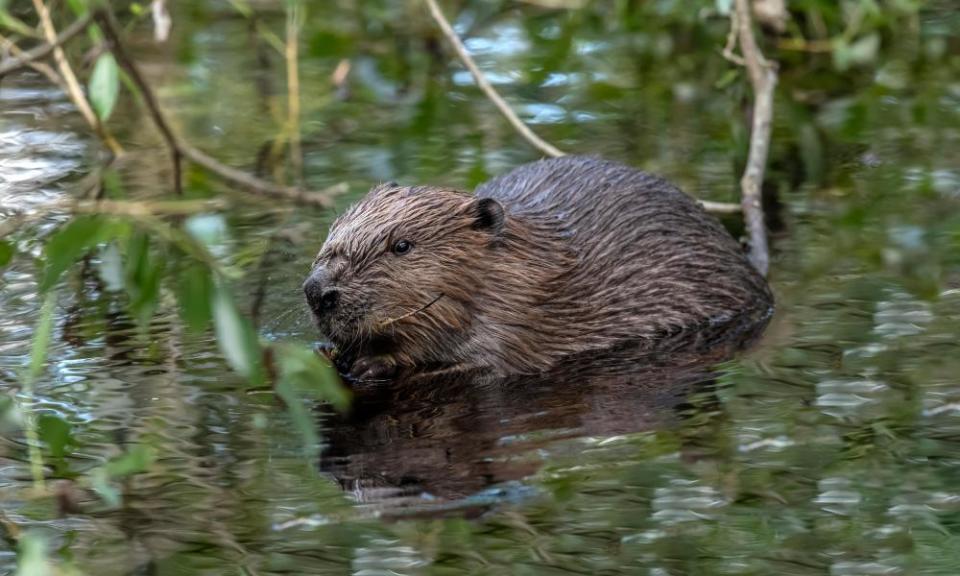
column 321, row 296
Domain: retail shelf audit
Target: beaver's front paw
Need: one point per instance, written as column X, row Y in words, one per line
column 373, row 368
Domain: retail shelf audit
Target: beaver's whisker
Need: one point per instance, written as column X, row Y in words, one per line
column 390, row 321
column 282, row 316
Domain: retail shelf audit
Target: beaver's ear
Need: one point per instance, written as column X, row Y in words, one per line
column 487, row 214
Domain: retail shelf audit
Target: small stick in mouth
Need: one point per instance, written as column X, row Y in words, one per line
column 390, row 321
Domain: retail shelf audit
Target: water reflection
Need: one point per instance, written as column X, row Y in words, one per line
column 431, row 441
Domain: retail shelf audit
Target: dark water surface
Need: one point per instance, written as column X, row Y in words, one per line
column 831, row 448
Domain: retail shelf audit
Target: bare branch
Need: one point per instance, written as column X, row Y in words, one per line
column 107, row 24
column 720, row 207
column 74, row 90
column 763, row 80
column 27, row 57
column 180, row 149
column 41, row 67
column 486, row 87
column 320, row 198
column 292, row 55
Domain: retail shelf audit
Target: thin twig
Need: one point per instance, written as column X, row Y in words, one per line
column 763, row 80
column 731, row 45
column 128, row 208
column 291, row 55
column 485, row 85
column 74, row 90
column 107, row 24
column 27, row 57
column 320, row 198
column 720, row 207
column 181, row 149
column 151, row 208
column 41, row 67
column 510, row 115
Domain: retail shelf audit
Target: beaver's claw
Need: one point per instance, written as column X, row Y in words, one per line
column 373, row 368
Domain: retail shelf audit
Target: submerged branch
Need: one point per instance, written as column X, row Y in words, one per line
column 486, row 87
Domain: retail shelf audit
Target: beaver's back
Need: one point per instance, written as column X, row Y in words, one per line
column 650, row 260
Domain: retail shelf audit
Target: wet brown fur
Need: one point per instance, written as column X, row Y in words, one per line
column 588, row 255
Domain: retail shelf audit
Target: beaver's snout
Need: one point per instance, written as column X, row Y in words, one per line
column 321, row 295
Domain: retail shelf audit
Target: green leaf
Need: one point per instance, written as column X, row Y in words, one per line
column 100, row 483
column 104, row 85
column 6, row 253
column 10, row 22
column 56, row 433
column 841, row 55
column 864, row 50
column 41, row 337
column 236, row 337
column 209, row 229
column 309, row 374
column 195, row 295
column 72, row 241
column 138, row 458
column 32, row 556
column 303, row 375
column 111, row 267
column 79, row 7
column 301, row 417
column 144, row 270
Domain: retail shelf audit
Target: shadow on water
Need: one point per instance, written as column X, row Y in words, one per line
column 446, row 443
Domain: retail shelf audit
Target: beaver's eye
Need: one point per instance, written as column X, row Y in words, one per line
column 402, row 247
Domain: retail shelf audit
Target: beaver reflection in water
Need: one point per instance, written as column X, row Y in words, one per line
column 558, row 258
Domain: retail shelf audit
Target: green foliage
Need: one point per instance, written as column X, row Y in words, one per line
column 111, row 267
column 79, row 7
column 32, row 556
column 6, row 252
column 144, row 268
column 304, row 375
column 309, row 374
column 57, row 434
column 104, row 85
column 10, row 22
column 236, row 337
column 136, row 459
column 195, row 291
column 74, row 240
column 41, row 338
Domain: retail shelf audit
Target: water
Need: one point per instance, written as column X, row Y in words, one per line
column 832, row 447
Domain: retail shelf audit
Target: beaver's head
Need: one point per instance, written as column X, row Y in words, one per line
column 399, row 271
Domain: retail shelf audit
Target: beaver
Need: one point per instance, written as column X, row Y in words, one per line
column 556, row 259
